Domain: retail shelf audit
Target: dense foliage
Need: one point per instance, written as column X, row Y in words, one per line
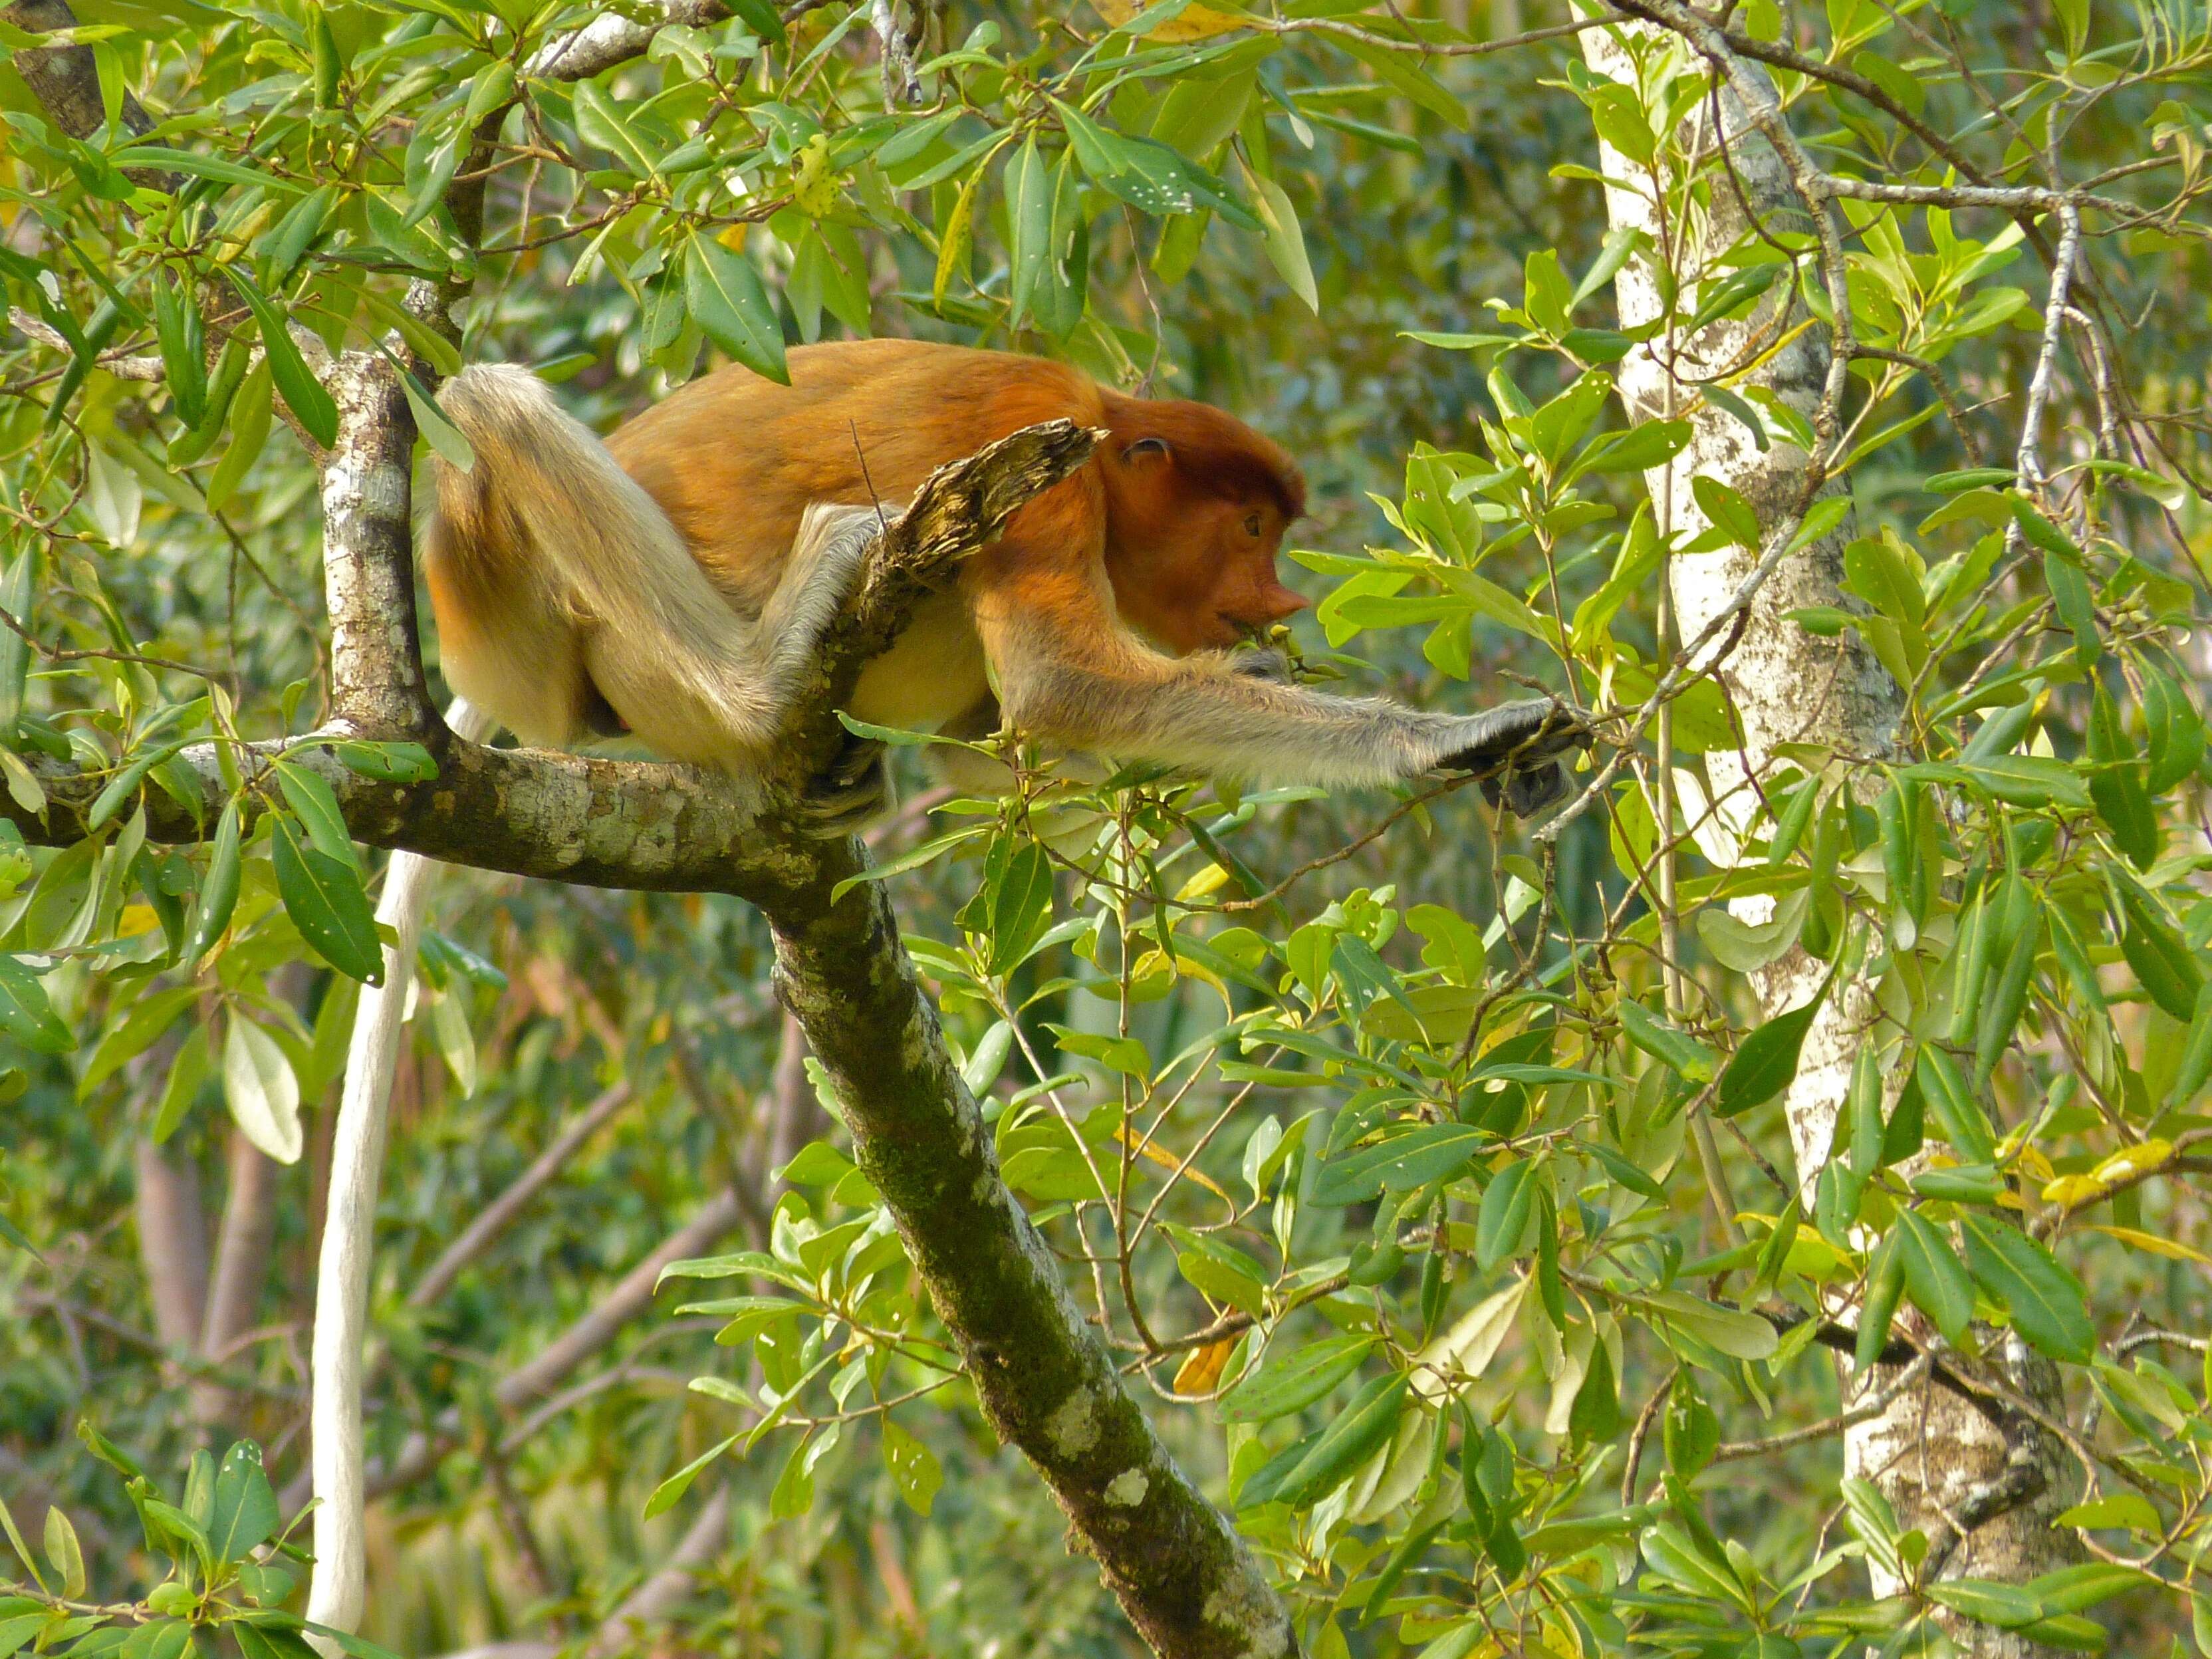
column 1446, row 1188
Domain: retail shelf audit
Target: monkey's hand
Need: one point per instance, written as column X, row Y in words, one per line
column 1514, row 750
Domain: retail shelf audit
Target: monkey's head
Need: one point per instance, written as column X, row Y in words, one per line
column 1197, row 503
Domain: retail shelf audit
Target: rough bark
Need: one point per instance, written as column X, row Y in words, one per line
column 1043, row 1375
column 1933, row 1453
column 64, row 79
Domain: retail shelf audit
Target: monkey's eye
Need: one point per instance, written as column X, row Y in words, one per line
column 1251, row 524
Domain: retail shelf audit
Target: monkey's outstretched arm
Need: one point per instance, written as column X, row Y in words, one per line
column 1106, row 693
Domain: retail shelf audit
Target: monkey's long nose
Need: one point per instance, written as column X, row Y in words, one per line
column 1277, row 602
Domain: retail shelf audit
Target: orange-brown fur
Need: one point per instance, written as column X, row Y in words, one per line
column 680, row 594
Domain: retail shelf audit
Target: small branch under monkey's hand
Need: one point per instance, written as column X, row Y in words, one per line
column 1515, row 750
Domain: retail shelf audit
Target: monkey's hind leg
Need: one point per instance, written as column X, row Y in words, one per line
column 854, row 790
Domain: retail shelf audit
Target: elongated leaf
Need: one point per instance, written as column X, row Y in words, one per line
column 1766, row 1063
column 1506, row 1205
column 26, row 1015
column 324, row 898
column 244, row 1513
column 1666, row 1043
column 1286, row 240
column 1293, row 1378
column 303, row 394
column 1933, row 1276
column 727, row 298
column 263, row 1094
column 1739, row 1336
column 1432, row 1153
column 2047, row 1303
column 162, row 159
column 1467, row 1348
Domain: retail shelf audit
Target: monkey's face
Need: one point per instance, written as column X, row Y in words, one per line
column 1210, row 581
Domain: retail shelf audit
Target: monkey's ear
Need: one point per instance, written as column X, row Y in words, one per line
column 1138, row 451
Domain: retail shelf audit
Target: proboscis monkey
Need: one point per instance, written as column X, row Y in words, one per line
column 675, row 581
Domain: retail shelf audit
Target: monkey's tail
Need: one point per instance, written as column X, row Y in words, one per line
column 561, row 562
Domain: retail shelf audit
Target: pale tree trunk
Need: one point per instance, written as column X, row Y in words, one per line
column 1945, row 1465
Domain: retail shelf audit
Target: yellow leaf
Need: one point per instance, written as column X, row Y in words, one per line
column 2132, row 1161
column 733, row 237
column 1207, row 878
column 1152, row 1153
column 2171, row 1250
column 1201, row 1370
column 2073, row 1191
column 1196, row 23
column 2035, row 1165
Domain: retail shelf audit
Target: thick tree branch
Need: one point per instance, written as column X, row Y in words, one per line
column 1044, row 1376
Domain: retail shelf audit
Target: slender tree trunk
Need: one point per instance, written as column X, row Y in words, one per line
column 1938, row 1458
column 240, row 1272
column 172, row 1245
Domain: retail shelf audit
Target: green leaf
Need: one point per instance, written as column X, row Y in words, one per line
column 1430, row 1152
column 2048, row 1305
column 244, row 1513
column 914, row 1468
column 1933, row 1277
column 1503, row 1216
column 387, row 762
column 1739, row 1336
column 262, row 1093
column 1285, row 241
column 1146, row 173
column 1965, row 1124
column 310, row 403
column 2165, row 966
column 324, row 898
column 1666, row 1043
column 601, row 123
column 1028, row 219
column 666, row 1494
column 1638, row 449
column 26, row 1015
column 2006, row 1606
column 2120, row 1508
column 316, row 805
column 160, row 158
column 1313, row 1468
column 727, row 299
column 65, row 1552
column 2028, row 780
column 446, row 439
column 1765, row 1062
column 1731, row 514
column 1293, row 1378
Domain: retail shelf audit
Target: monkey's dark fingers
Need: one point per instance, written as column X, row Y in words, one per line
column 1268, row 665
column 1517, row 737
column 1525, row 793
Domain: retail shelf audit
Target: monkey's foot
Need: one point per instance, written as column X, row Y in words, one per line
column 1514, row 751
column 853, row 789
